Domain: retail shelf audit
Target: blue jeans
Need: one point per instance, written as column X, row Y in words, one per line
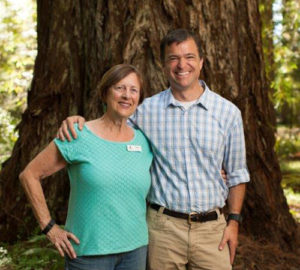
column 131, row 260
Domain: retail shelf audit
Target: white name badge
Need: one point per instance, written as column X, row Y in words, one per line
column 134, row 148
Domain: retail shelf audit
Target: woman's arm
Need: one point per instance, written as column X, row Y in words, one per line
column 44, row 164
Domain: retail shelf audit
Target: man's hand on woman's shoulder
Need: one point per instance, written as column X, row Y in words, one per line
column 68, row 126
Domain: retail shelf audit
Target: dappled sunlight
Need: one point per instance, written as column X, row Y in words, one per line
column 18, row 52
column 288, row 149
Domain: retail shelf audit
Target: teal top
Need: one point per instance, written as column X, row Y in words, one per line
column 109, row 182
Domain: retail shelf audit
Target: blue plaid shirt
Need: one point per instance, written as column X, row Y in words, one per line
column 190, row 148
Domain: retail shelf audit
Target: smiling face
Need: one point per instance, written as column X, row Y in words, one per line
column 182, row 65
column 123, row 97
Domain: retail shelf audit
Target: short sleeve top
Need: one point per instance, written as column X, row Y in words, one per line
column 109, row 182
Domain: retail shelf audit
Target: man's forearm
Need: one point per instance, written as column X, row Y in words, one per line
column 236, row 198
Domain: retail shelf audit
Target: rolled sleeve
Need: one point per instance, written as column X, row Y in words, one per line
column 238, row 177
column 235, row 154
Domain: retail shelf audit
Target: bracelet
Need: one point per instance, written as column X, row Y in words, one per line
column 48, row 227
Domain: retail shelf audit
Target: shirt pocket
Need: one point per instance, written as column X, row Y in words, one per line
column 208, row 138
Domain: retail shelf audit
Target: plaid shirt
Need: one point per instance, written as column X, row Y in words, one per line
column 190, row 148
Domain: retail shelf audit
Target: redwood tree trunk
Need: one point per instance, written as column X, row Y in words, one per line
column 79, row 40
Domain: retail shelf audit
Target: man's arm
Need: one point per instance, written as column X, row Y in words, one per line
column 235, row 202
column 68, row 125
column 237, row 173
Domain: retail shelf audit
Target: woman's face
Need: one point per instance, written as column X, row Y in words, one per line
column 123, row 97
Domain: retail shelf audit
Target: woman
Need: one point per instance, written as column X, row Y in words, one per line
column 108, row 167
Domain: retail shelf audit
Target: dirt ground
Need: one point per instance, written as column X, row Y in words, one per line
column 256, row 255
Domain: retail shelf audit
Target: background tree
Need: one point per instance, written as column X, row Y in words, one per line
column 266, row 13
column 287, row 62
column 79, row 41
column 17, row 52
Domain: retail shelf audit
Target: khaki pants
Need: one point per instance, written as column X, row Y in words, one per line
column 176, row 244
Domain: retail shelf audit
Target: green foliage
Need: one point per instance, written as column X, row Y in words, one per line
column 4, row 257
column 265, row 9
column 291, row 175
column 287, row 142
column 286, row 81
column 285, row 147
column 17, row 54
column 37, row 253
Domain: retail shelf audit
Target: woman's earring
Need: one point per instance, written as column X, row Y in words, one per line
column 104, row 107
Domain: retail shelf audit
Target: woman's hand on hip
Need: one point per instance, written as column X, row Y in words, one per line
column 60, row 239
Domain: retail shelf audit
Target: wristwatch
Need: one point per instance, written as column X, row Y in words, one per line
column 236, row 217
column 48, row 227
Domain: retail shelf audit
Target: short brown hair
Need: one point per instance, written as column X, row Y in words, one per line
column 116, row 74
column 177, row 36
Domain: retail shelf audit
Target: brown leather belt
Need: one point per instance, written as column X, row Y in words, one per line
column 192, row 217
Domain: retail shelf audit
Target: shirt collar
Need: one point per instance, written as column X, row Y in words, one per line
column 202, row 101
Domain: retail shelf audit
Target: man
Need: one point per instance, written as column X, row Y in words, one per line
column 194, row 133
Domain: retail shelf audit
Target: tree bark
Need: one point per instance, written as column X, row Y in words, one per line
column 266, row 13
column 79, row 40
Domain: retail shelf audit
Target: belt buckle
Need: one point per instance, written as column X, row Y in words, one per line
column 190, row 216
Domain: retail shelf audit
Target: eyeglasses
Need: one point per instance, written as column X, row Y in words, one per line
column 123, row 89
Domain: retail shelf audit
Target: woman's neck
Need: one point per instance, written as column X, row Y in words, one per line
column 110, row 128
column 114, row 124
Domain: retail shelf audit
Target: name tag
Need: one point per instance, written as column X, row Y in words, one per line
column 134, row 148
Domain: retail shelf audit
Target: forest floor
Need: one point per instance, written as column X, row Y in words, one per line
column 38, row 254
column 259, row 255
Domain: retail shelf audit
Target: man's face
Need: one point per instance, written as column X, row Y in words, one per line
column 183, row 65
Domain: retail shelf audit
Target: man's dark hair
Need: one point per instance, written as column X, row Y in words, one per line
column 178, row 36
